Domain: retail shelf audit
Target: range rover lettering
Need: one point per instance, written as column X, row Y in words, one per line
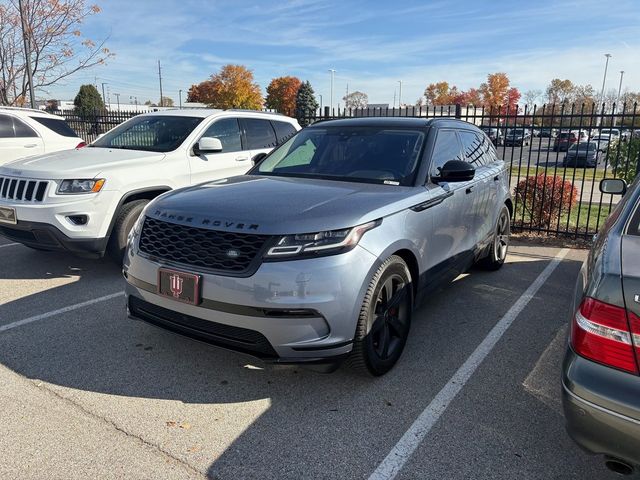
column 355, row 220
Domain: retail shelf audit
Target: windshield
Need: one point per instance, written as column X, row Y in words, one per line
column 515, row 131
column 161, row 133
column 353, row 154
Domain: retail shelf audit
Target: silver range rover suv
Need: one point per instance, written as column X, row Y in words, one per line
column 322, row 250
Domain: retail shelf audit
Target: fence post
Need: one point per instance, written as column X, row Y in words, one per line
column 327, row 111
column 458, row 110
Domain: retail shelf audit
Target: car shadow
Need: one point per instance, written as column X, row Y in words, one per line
column 100, row 350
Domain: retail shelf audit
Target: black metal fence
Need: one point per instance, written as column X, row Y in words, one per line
column 556, row 154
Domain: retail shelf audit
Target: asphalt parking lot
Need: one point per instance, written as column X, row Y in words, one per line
column 87, row 393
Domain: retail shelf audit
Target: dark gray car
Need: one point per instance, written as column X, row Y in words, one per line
column 601, row 376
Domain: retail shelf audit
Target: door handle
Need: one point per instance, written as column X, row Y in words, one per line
column 31, row 145
column 242, row 159
column 469, row 189
column 496, row 178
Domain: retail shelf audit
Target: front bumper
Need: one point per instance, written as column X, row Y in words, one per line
column 47, row 237
column 301, row 311
column 47, row 224
column 602, row 408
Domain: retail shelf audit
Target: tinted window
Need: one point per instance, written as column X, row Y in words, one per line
column 634, row 224
column 259, row 133
column 6, row 127
column 472, row 147
column 447, row 148
column 227, row 131
column 22, row 129
column 354, row 154
column 161, row 133
column 57, row 125
column 284, row 131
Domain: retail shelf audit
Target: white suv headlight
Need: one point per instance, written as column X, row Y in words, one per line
column 330, row 242
column 72, row 187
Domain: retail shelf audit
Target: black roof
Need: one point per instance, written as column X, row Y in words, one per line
column 412, row 122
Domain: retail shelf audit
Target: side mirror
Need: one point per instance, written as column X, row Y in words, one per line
column 259, row 158
column 207, row 145
column 614, row 186
column 456, row 171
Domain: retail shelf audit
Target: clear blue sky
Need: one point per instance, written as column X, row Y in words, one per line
column 371, row 43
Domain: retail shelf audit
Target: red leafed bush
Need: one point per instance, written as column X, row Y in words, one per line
column 544, row 198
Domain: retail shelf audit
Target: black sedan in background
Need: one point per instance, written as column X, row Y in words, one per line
column 583, row 154
column 601, row 371
column 517, row 137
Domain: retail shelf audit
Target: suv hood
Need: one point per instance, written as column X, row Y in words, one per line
column 85, row 162
column 281, row 205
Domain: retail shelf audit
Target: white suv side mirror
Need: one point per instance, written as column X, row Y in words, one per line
column 207, row 145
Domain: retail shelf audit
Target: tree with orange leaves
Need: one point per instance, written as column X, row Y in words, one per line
column 496, row 91
column 56, row 43
column 232, row 87
column 281, row 94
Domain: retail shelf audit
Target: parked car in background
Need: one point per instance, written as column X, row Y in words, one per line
column 494, row 134
column 565, row 139
column 601, row 377
column 612, row 132
column 602, row 141
column 583, row 154
column 546, row 132
column 517, row 137
column 86, row 201
column 25, row 132
column 324, row 248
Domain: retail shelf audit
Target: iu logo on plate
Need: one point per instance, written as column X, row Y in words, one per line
column 175, row 285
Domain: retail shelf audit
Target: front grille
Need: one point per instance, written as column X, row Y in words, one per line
column 25, row 190
column 231, row 252
column 235, row 338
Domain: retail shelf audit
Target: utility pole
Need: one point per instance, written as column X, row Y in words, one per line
column 400, row 94
column 394, row 98
column 104, row 99
column 180, row 98
column 118, row 100
column 27, row 55
column 320, row 95
column 331, row 96
column 618, row 97
column 160, row 78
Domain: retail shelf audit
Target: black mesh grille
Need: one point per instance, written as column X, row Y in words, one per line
column 210, row 249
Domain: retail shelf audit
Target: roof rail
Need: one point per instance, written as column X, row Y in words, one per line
column 22, row 109
column 249, row 110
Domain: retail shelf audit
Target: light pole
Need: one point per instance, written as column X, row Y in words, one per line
column 180, row 98
column 104, row 99
column 604, row 81
column 333, row 72
column 320, row 95
column 400, row 94
column 618, row 97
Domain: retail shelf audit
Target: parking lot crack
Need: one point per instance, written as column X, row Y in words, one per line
column 160, row 450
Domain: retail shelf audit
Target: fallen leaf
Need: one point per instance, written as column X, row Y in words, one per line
column 185, row 426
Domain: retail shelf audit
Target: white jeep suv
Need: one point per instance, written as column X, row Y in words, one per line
column 25, row 132
column 86, row 200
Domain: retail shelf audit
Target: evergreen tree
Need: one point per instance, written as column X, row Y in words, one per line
column 306, row 103
column 88, row 101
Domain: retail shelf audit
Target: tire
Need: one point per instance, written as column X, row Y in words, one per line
column 125, row 219
column 500, row 244
column 382, row 329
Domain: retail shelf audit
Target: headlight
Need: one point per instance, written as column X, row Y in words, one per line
column 81, row 186
column 320, row 243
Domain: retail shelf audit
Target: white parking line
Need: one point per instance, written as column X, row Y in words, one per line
column 10, row 245
column 402, row 451
column 53, row 313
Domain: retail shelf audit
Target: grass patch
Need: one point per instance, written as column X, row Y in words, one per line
column 566, row 173
column 582, row 219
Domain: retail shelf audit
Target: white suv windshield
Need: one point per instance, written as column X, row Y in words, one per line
column 354, row 154
column 161, row 133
